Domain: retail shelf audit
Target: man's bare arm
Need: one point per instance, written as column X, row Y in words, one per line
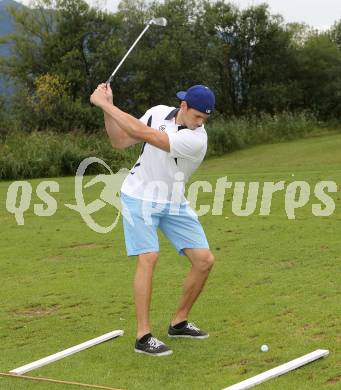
column 119, row 139
column 135, row 128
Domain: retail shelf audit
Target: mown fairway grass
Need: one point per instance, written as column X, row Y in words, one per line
column 275, row 281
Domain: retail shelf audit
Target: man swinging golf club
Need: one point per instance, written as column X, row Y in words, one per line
column 174, row 145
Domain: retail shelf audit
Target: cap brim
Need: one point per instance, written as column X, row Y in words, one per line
column 181, row 95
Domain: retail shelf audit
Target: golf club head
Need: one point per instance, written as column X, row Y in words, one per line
column 159, row 22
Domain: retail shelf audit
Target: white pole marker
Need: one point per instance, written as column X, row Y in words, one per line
column 66, row 352
column 280, row 370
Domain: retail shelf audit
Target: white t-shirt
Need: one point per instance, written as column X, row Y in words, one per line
column 160, row 176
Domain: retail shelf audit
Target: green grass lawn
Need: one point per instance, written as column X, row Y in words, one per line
column 275, row 281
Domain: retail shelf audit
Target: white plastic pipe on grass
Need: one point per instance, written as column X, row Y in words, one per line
column 67, row 352
column 280, row 370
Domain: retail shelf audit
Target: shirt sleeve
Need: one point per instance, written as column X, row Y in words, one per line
column 186, row 144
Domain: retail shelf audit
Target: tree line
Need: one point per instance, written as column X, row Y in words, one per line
column 254, row 61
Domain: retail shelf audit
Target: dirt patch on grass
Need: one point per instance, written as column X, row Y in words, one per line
column 57, row 258
column 285, row 313
column 236, row 364
column 318, row 336
column 288, row 264
column 37, row 310
column 87, row 245
column 333, row 381
column 75, row 305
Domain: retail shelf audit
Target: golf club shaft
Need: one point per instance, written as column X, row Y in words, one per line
column 126, row 55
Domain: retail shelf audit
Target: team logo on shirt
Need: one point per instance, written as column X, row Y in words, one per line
column 162, row 128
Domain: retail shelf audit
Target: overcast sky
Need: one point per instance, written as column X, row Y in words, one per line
column 318, row 13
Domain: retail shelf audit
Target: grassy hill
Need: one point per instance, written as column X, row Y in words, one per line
column 276, row 281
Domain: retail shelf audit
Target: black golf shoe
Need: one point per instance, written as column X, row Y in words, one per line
column 153, row 347
column 188, row 330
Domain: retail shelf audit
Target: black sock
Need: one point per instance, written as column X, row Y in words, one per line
column 145, row 338
column 180, row 325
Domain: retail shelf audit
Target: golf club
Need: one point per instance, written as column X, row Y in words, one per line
column 158, row 22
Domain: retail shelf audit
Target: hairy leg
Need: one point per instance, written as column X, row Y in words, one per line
column 143, row 290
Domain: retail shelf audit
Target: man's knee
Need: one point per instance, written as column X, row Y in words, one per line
column 203, row 260
column 148, row 259
column 209, row 261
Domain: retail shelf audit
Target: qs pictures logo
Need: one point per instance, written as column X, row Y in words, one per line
column 257, row 199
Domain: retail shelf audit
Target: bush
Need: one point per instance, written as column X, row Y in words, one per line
column 50, row 154
column 51, row 107
column 236, row 133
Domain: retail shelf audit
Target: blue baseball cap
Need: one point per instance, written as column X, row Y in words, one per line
column 199, row 97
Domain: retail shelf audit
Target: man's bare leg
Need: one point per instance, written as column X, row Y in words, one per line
column 202, row 261
column 143, row 290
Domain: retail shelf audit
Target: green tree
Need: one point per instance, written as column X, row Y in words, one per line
column 335, row 33
column 251, row 59
column 319, row 77
column 49, row 39
column 300, row 33
column 268, row 63
column 219, row 34
column 166, row 59
column 251, row 55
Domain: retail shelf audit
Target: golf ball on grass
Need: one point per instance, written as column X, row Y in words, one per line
column 264, row 348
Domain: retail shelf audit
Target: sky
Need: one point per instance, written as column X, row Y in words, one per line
column 320, row 14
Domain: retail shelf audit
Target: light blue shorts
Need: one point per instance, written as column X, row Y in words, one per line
column 141, row 219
